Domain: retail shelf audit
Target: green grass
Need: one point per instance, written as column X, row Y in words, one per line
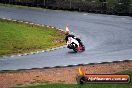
column 21, row 38
column 129, row 85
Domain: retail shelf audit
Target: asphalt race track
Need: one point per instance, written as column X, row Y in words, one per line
column 107, row 38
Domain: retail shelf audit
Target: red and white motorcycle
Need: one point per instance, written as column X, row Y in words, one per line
column 75, row 44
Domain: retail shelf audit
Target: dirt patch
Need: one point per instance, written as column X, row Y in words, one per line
column 55, row 75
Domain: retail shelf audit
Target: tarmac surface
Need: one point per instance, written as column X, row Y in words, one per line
column 107, row 38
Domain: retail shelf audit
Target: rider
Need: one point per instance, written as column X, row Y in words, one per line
column 74, row 37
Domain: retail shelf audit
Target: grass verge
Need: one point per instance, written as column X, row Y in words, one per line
column 129, row 85
column 23, row 38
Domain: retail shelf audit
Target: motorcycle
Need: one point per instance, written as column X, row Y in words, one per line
column 75, row 44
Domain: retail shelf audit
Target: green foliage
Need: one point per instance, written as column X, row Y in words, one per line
column 122, row 6
column 119, row 7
